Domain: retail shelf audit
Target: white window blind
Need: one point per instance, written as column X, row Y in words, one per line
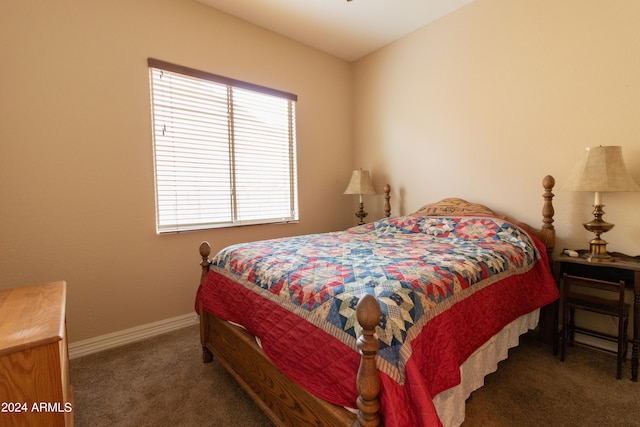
column 225, row 150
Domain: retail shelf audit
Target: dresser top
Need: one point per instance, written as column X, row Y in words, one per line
column 31, row 316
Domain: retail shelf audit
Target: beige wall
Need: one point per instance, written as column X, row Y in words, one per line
column 76, row 173
column 486, row 101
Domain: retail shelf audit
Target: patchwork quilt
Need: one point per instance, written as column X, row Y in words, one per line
column 445, row 285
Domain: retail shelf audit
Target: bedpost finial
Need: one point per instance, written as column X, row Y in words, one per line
column 387, row 197
column 205, row 249
column 548, row 232
column 547, row 209
column 368, row 312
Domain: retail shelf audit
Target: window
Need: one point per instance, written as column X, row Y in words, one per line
column 224, row 150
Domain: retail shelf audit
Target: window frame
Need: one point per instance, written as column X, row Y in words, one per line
column 234, row 217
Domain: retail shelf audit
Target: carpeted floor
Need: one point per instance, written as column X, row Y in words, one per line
column 162, row 381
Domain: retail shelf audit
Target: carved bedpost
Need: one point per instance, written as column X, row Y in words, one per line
column 548, row 229
column 548, row 182
column 205, row 251
column 368, row 380
column 387, row 197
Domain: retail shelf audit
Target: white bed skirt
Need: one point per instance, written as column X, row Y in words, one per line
column 450, row 404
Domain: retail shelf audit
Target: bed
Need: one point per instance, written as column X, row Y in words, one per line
column 394, row 322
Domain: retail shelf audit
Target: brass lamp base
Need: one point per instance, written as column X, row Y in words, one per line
column 598, row 246
column 361, row 214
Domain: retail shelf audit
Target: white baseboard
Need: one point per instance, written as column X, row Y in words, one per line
column 115, row 339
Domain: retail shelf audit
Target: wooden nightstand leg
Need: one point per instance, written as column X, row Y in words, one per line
column 636, row 332
column 572, row 326
column 564, row 332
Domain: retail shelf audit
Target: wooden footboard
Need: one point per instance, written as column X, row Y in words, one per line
column 283, row 400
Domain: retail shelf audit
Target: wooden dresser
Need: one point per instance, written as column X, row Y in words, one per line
column 34, row 365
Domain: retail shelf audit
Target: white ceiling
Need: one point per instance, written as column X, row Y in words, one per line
column 347, row 29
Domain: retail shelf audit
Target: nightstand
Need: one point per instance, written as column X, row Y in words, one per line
column 623, row 267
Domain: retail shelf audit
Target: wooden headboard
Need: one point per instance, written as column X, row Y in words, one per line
column 455, row 206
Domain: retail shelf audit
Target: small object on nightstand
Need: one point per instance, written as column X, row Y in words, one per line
column 571, row 252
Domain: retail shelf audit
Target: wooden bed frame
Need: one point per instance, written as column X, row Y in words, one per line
column 280, row 398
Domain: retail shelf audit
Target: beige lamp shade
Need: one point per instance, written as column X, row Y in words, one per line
column 601, row 169
column 360, row 183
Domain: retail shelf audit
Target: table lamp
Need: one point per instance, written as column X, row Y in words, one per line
column 360, row 184
column 600, row 169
